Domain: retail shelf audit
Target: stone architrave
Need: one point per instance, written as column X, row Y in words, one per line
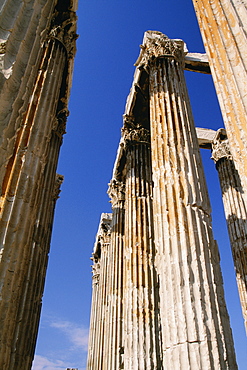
column 142, row 345
column 195, row 325
column 223, row 25
column 37, row 50
column 235, row 211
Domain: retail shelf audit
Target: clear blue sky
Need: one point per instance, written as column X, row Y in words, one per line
column 110, row 34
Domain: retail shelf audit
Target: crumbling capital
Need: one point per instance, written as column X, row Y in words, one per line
column 58, row 182
column 220, row 146
column 133, row 133
column 65, row 33
column 116, row 191
column 59, row 124
column 156, row 45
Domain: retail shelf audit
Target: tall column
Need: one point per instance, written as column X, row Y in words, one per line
column 30, row 142
column 99, row 297
column 235, row 211
column 195, row 325
column 223, row 25
column 112, row 352
column 142, row 344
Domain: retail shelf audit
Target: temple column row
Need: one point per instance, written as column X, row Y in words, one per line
column 165, row 300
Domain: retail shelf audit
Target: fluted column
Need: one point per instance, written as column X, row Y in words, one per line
column 235, row 211
column 94, row 318
column 28, row 179
column 112, row 349
column 142, row 345
column 99, row 296
column 195, row 325
column 223, row 25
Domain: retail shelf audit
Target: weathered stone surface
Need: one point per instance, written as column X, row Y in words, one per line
column 223, row 25
column 142, row 349
column 197, row 62
column 37, row 46
column 205, row 137
column 194, row 319
column 165, row 290
column 99, row 298
column 235, row 211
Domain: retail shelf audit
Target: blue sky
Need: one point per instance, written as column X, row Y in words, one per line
column 108, row 46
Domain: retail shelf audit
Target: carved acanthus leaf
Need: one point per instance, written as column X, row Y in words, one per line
column 220, row 146
column 59, row 124
column 134, row 133
column 3, row 47
column 116, row 191
column 96, row 272
column 58, row 182
column 65, row 34
column 155, row 45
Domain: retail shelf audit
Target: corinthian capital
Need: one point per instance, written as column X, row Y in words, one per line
column 65, row 32
column 220, row 146
column 59, row 123
column 116, row 191
column 134, row 133
column 58, row 182
column 156, row 44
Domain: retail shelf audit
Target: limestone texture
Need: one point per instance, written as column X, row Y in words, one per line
column 164, row 304
column 37, row 49
column 235, row 211
column 223, row 25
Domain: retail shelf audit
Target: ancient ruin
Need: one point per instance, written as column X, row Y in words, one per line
column 165, row 303
column 158, row 300
column 37, row 48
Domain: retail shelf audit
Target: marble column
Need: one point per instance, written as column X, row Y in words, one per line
column 195, row 325
column 31, row 137
column 112, row 350
column 223, row 25
column 235, row 211
column 99, row 297
column 142, row 344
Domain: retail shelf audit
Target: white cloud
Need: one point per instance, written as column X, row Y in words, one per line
column 77, row 335
column 43, row 363
column 68, row 350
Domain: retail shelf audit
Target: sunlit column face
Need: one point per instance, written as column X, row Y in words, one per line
column 187, row 256
column 223, row 28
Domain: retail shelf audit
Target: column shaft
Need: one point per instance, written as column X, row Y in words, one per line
column 106, row 339
column 223, row 25
column 112, row 354
column 96, row 315
column 235, row 212
column 195, row 326
column 28, row 181
column 99, row 297
column 141, row 331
